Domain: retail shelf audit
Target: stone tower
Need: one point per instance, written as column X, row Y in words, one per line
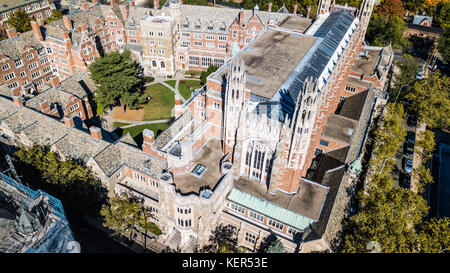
column 234, row 100
column 324, row 6
column 364, row 15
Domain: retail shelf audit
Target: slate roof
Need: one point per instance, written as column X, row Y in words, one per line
column 332, row 30
column 55, row 96
column 118, row 154
column 14, row 48
column 173, row 129
column 222, row 17
column 420, row 18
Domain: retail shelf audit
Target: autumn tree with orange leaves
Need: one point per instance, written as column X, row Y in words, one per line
column 391, row 8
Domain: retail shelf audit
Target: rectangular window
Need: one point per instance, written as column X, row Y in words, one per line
column 256, row 216
column 275, row 224
column 32, row 66
column 237, row 208
column 250, row 237
column 210, row 37
column 35, row 75
column 44, row 60
column 350, row 89
column 30, row 56
column 198, row 43
column 198, row 36
column 22, row 74
column 9, row 76
column 194, row 60
column 18, row 63
column 219, row 62
column 47, row 69
column 206, row 61
column 13, row 85
column 185, row 34
column 222, row 38
column 5, row 67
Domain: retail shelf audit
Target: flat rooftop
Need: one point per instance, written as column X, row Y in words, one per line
column 296, row 23
column 368, row 64
column 209, row 156
column 307, row 202
column 270, row 59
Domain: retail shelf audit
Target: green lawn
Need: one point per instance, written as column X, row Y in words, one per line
column 171, row 83
column 136, row 130
column 161, row 103
column 119, row 124
column 185, row 85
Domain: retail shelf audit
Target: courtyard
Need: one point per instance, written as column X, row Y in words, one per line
column 157, row 114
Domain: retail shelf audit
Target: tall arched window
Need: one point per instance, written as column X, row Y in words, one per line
column 163, row 65
column 154, row 63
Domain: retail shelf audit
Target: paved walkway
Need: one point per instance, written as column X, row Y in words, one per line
column 174, row 90
column 136, row 123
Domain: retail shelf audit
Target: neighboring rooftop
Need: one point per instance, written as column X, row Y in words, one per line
column 209, row 156
column 339, row 128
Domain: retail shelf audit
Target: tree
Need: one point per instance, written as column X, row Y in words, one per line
column 67, row 180
column 20, row 21
column 381, row 32
column 56, row 15
column 275, row 247
column 222, row 240
column 430, row 99
column 205, row 74
column 126, row 212
column 434, row 236
column 442, row 14
column 390, row 8
column 408, row 71
column 121, row 214
column 119, row 79
column 444, row 44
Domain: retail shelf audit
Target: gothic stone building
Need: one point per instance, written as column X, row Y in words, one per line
column 264, row 147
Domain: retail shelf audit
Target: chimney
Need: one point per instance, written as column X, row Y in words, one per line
column 270, row 7
column 241, row 18
column 67, row 22
column 54, row 81
column 85, row 6
column 156, row 4
column 96, row 133
column 12, row 33
column 45, row 106
column 148, row 145
column 295, row 8
column 68, row 121
column 67, row 39
column 177, row 99
column 18, row 100
column 126, row 11
column 112, row 2
column 308, row 13
column 37, row 30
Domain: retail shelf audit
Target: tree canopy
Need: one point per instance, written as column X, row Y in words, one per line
column 125, row 212
column 67, row 180
column 205, row 74
column 275, row 247
column 390, row 8
column 222, row 240
column 20, row 21
column 430, row 99
column 119, row 79
column 56, row 15
column 381, row 32
column 392, row 216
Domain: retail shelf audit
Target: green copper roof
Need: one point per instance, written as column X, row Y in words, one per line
column 269, row 209
column 356, row 166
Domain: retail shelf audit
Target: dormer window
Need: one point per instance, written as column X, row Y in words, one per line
column 210, row 28
column 185, row 25
column 197, row 26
